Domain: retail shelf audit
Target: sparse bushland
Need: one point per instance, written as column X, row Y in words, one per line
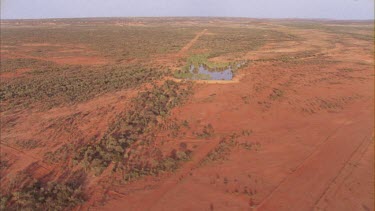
column 202, row 59
column 39, row 196
column 362, row 31
column 147, row 108
column 246, row 132
column 173, row 127
column 276, row 94
column 226, row 144
column 61, row 154
column 238, row 40
column 207, row 132
column 71, row 84
column 332, row 104
column 146, row 113
column 250, row 145
column 12, row 64
column 153, row 163
column 246, row 99
column 115, row 42
column 28, row 144
column 222, row 151
column 4, row 163
column 23, row 192
column 312, row 57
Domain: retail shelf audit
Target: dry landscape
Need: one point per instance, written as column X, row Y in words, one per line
column 126, row 114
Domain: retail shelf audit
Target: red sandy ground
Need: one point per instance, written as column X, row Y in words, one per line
column 17, row 73
column 73, row 54
column 316, row 140
column 305, row 161
column 311, row 156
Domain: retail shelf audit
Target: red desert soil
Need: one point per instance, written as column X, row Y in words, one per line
column 316, row 141
column 73, row 60
column 18, row 73
column 312, row 125
column 301, row 157
column 74, row 54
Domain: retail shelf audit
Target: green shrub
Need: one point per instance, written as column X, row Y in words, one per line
column 28, row 144
column 222, row 151
column 71, row 84
column 128, row 129
column 61, row 154
column 208, row 131
column 39, row 196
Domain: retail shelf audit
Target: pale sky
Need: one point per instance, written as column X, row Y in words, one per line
column 328, row 9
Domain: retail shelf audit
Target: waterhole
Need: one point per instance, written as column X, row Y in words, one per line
column 202, row 72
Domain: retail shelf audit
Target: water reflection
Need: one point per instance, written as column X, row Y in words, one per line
column 204, row 73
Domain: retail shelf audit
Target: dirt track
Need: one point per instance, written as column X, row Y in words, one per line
column 191, row 43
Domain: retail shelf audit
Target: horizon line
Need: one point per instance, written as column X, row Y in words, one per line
column 109, row 17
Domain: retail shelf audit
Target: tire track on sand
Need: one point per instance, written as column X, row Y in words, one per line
column 191, row 43
column 305, row 186
column 28, row 155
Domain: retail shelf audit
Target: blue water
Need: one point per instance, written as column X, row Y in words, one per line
column 203, row 73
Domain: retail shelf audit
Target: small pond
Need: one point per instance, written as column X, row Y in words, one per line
column 202, row 72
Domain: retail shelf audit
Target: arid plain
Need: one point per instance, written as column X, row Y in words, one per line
column 102, row 114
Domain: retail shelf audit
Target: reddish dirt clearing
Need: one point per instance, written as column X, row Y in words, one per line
column 73, row 54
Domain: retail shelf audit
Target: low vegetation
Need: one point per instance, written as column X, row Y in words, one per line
column 4, row 164
column 28, row 144
column 70, row 84
column 113, row 41
column 276, row 94
column 22, row 191
column 12, row 64
column 174, row 127
column 238, row 41
column 250, row 145
column 202, row 59
column 207, row 132
column 61, row 154
column 143, row 165
column 40, row 196
column 222, row 151
column 148, row 107
column 360, row 31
